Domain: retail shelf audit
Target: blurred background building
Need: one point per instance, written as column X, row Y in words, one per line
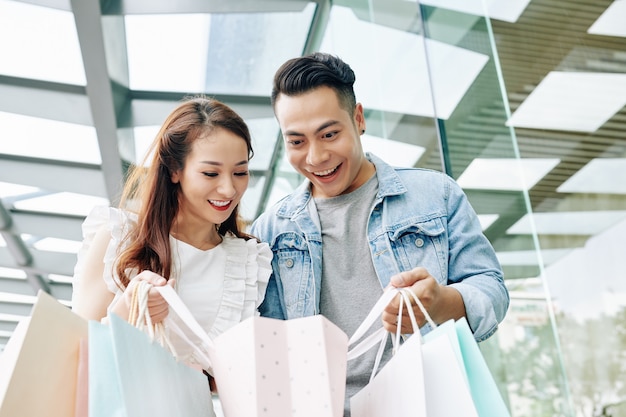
column 522, row 101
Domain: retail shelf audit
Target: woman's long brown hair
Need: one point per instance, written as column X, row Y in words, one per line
column 147, row 245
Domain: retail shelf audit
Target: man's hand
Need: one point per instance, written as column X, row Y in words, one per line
column 424, row 286
column 441, row 302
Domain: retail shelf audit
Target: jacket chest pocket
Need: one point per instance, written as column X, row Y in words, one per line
column 422, row 244
column 292, row 261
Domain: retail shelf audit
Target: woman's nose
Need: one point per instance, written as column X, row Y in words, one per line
column 227, row 188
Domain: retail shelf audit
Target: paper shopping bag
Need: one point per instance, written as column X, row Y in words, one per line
column 428, row 394
column 132, row 376
column 398, row 389
column 38, row 366
column 443, row 374
column 487, row 397
column 484, row 391
column 82, row 380
column 270, row 367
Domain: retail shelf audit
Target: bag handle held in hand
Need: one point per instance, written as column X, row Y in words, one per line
column 380, row 306
column 139, row 316
column 380, row 335
column 177, row 306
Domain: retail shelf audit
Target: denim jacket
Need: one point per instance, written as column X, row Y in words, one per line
column 420, row 218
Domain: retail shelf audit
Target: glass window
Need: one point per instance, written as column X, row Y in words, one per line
column 48, row 47
column 228, row 53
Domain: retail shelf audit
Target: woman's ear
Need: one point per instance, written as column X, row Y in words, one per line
column 175, row 177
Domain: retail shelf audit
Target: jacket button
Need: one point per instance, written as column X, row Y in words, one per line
column 419, row 242
column 289, row 263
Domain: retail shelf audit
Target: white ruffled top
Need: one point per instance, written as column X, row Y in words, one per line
column 220, row 286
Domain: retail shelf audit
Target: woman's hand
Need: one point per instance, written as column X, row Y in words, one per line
column 157, row 306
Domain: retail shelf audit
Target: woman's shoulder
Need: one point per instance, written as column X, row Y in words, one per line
column 256, row 255
column 252, row 245
column 116, row 222
column 112, row 217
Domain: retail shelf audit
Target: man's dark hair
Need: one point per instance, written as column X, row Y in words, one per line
column 303, row 74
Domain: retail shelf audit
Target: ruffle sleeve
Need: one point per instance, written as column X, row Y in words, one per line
column 259, row 269
column 247, row 272
column 117, row 222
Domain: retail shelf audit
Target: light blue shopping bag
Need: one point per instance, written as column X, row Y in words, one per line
column 131, row 376
column 485, row 394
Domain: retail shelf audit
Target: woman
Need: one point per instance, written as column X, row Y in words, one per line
column 179, row 225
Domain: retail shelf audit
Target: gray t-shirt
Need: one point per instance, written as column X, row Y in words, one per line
column 350, row 286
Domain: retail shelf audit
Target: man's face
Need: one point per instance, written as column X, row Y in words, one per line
column 322, row 141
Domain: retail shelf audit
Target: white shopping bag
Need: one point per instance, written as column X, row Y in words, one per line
column 398, row 389
column 421, row 379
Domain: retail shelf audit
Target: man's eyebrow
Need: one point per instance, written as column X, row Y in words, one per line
column 318, row 130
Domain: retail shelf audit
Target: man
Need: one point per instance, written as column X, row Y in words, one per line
column 358, row 225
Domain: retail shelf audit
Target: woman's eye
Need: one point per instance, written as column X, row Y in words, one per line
column 210, row 174
column 241, row 174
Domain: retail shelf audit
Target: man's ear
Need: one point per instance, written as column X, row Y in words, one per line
column 359, row 118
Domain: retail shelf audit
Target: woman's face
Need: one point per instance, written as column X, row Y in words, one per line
column 214, row 178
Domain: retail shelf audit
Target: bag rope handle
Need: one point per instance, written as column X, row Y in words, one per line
column 139, row 316
column 408, row 293
column 203, row 347
column 407, row 298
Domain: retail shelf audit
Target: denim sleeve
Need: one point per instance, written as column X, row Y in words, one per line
column 474, row 269
column 272, row 305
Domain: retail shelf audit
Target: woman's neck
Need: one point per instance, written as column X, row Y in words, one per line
column 202, row 238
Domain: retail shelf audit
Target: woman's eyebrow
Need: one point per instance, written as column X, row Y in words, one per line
column 218, row 163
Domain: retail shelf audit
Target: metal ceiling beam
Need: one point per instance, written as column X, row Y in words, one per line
column 151, row 108
column 43, row 263
column 16, row 286
column 200, row 6
column 48, row 100
column 8, row 322
column 318, row 26
column 53, row 4
column 397, row 14
column 312, row 44
column 53, row 225
column 20, row 253
column 53, row 175
column 104, row 112
column 18, row 309
column 16, row 247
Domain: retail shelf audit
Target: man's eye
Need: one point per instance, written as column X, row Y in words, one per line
column 329, row 135
column 294, row 142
